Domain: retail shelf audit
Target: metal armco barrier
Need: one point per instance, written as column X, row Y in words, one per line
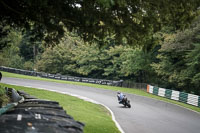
column 62, row 77
column 175, row 95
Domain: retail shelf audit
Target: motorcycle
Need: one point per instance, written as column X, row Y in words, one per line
column 125, row 102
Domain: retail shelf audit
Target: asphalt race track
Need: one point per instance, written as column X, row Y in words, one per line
column 145, row 116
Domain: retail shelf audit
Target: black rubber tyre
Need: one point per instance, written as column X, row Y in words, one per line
column 38, row 116
column 128, row 104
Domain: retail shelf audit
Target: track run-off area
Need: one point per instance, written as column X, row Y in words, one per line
column 145, row 116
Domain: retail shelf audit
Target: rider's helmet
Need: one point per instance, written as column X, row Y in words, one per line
column 118, row 92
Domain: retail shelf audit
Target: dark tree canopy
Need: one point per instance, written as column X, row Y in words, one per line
column 129, row 20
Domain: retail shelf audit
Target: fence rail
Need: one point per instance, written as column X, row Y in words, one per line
column 120, row 83
column 62, row 77
column 175, row 95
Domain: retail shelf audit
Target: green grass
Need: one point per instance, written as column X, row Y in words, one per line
column 95, row 117
column 127, row 90
column 3, row 97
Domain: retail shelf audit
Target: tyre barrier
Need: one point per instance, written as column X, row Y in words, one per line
column 175, row 95
column 32, row 115
column 61, row 77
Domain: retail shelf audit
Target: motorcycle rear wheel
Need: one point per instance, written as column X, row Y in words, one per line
column 128, row 105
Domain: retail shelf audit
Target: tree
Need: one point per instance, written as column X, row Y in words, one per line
column 128, row 20
column 30, row 45
column 179, row 60
column 193, row 69
column 136, row 63
column 4, row 30
column 72, row 56
column 126, row 62
column 113, row 62
column 10, row 56
column 58, row 59
column 88, row 60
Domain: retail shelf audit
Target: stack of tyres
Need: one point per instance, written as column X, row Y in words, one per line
column 38, row 116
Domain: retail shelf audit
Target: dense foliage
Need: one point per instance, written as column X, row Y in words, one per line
column 4, row 99
column 131, row 21
column 139, row 41
column 179, row 60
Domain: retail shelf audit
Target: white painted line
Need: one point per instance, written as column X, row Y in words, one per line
column 37, row 116
column 86, row 99
column 92, row 101
column 19, row 117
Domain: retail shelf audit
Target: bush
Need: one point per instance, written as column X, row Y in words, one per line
column 28, row 65
column 3, row 97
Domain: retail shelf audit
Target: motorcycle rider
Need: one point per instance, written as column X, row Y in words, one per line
column 120, row 96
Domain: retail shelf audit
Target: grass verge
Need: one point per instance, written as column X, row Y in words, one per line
column 95, row 117
column 3, row 97
column 127, row 90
